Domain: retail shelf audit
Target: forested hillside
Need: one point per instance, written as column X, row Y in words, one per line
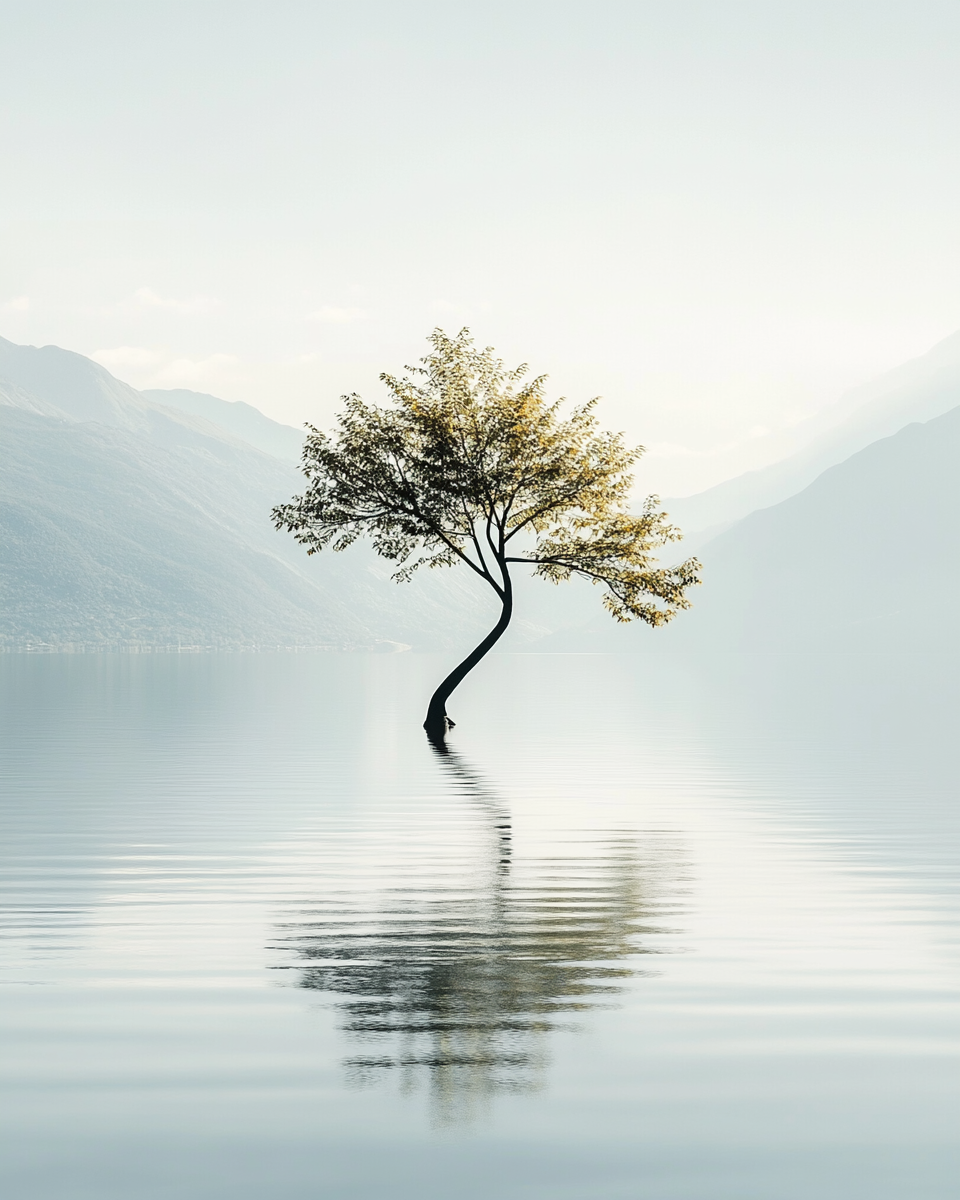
column 125, row 522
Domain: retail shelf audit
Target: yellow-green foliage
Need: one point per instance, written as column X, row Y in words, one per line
column 465, row 459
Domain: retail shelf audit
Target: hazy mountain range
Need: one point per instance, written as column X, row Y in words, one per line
column 242, row 420
column 132, row 519
column 918, row 390
column 866, row 557
column 128, row 522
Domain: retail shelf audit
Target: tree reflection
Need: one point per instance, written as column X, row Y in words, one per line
column 460, row 986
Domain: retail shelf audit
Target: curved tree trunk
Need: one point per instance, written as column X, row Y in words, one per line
column 437, row 722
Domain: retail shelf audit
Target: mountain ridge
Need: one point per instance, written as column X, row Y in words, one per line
column 241, row 419
column 866, row 558
column 919, row 390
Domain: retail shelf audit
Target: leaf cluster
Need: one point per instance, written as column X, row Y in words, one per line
column 471, row 464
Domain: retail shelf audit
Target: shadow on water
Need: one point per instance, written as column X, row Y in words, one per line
column 458, row 989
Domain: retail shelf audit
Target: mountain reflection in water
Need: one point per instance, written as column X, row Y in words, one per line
column 457, row 981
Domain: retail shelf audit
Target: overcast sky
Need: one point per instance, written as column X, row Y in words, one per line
column 717, row 215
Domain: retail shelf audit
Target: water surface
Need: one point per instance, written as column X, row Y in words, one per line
column 650, row 930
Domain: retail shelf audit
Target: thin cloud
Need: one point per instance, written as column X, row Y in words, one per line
column 18, row 305
column 677, row 450
column 121, row 358
column 146, row 368
column 329, row 314
column 192, row 307
column 186, row 371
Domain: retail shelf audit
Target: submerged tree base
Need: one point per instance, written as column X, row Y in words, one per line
column 437, row 729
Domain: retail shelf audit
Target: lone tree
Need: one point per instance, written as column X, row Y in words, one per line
column 469, row 465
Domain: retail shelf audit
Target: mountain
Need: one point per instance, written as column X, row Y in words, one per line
column 71, row 387
column 66, row 386
column 867, row 556
column 866, row 559
column 918, row 390
column 111, row 538
column 128, row 523
column 242, row 420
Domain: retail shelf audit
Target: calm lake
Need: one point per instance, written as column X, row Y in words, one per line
column 649, row 931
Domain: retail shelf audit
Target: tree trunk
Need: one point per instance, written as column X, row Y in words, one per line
column 437, row 722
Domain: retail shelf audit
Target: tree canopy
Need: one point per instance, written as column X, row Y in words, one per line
column 471, row 464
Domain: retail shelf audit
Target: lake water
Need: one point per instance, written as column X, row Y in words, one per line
column 649, row 931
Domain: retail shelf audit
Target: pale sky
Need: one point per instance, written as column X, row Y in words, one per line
column 716, row 215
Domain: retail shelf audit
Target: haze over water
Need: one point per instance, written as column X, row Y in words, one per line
column 651, row 930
